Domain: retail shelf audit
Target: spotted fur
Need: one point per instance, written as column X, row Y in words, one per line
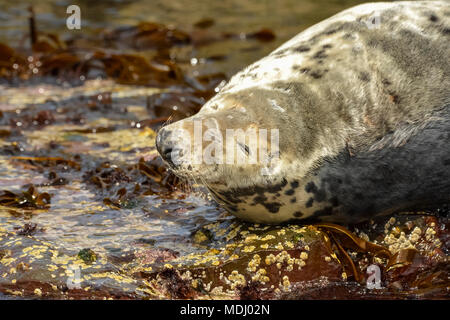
column 363, row 113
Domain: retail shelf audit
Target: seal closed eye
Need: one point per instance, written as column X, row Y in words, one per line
column 354, row 113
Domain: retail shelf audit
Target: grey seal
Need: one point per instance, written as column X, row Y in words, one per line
column 361, row 103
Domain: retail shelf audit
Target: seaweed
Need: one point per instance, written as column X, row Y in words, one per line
column 204, row 23
column 30, row 199
column 48, row 161
column 343, row 239
column 74, row 61
column 122, row 200
column 28, row 229
column 87, row 255
column 177, row 287
column 124, row 185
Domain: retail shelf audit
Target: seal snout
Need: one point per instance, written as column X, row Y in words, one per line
column 181, row 144
column 165, row 145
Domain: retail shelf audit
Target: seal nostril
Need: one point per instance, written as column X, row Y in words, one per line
column 162, row 141
column 167, row 154
column 165, row 146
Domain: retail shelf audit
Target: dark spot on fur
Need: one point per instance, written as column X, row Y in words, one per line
column 273, row 207
column 309, row 203
column 331, row 31
column 259, row 199
column 394, row 98
column 294, row 200
column 364, row 76
column 298, row 214
column 239, row 195
column 311, row 187
column 315, row 75
column 372, row 43
column 305, row 70
column 294, row 184
column 220, row 198
column 320, row 195
column 253, row 68
column 230, row 196
column 386, row 82
column 347, row 36
column 277, row 187
column 289, row 192
column 301, row 48
column 327, row 46
column 434, row 18
column 280, row 52
column 320, row 55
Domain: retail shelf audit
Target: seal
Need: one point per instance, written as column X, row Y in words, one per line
column 360, row 103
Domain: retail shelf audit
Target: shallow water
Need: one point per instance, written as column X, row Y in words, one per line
column 285, row 17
